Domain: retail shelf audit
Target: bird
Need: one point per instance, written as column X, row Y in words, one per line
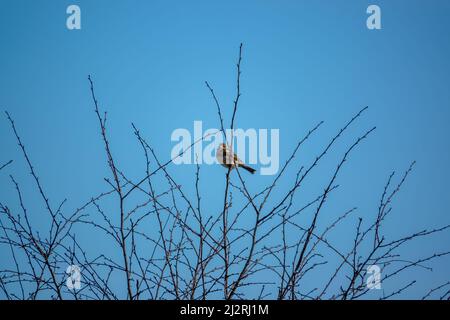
column 228, row 158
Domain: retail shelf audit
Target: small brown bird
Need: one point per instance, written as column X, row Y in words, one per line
column 227, row 158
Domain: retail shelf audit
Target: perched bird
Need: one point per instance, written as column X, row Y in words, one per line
column 227, row 158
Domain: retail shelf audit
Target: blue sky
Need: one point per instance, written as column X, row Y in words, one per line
column 303, row 61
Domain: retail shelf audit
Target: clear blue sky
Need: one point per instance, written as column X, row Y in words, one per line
column 303, row 61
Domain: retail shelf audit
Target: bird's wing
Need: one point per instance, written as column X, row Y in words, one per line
column 225, row 157
column 237, row 160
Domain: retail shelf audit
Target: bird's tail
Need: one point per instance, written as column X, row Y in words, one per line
column 249, row 169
